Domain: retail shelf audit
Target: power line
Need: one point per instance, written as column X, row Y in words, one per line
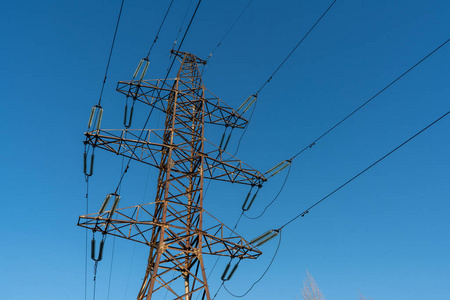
column 357, row 109
column 324, row 198
column 295, row 48
column 363, row 171
column 182, row 23
column 229, row 30
column 373, row 97
column 159, row 30
column 110, row 53
column 282, row 63
column 111, row 267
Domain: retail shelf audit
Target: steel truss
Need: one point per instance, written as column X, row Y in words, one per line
column 172, row 226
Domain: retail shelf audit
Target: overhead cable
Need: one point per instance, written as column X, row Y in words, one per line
column 181, row 26
column 296, row 46
column 302, row 214
column 276, row 70
column 159, row 29
column 280, row 166
column 110, row 53
column 310, row 145
column 229, row 30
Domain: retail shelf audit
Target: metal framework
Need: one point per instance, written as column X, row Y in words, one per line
column 172, row 225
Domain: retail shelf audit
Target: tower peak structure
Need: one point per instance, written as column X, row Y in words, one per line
column 175, row 226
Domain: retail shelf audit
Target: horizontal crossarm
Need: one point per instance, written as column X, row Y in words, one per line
column 147, row 145
column 136, row 223
column 156, row 93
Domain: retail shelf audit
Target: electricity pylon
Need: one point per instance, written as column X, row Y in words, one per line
column 173, row 226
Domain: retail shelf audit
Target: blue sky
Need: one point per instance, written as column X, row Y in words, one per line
column 385, row 235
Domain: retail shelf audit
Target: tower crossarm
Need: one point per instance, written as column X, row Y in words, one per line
column 147, row 146
column 136, row 223
column 141, row 145
column 225, row 167
column 156, row 94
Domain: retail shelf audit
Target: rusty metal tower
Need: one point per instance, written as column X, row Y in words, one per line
column 174, row 225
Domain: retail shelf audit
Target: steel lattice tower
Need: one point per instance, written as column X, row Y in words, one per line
column 173, row 225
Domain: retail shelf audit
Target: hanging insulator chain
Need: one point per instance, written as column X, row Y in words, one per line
column 144, row 62
column 128, row 118
column 227, row 140
column 100, row 250
column 95, row 117
column 278, row 168
column 265, row 237
column 227, row 275
column 221, row 141
column 106, row 201
column 88, row 170
column 247, row 204
column 247, row 103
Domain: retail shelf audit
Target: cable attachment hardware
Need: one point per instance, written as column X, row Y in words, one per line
column 85, row 164
column 278, row 168
column 247, row 204
column 144, row 62
column 95, row 117
column 247, row 103
column 100, row 250
column 127, row 118
column 105, row 203
column 265, row 237
column 227, row 274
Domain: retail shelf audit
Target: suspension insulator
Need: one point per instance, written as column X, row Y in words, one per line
column 91, row 117
column 244, row 206
column 245, row 102
column 100, row 115
column 278, row 168
column 247, row 204
column 104, row 204
column 224, row 274
column 262, row 237
column 93, row 249
column 281, row 169
column 226, row 143
column 227, row 276
column 100, row 250
column 96, row 112
column 265, row 237
column 114, row 206
column 250, row 104
column 221, row 141
column 88, row 170
column 137, row 69
column 145, row 69
column 128, row 118
column 233, row 270
column 144, row 62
